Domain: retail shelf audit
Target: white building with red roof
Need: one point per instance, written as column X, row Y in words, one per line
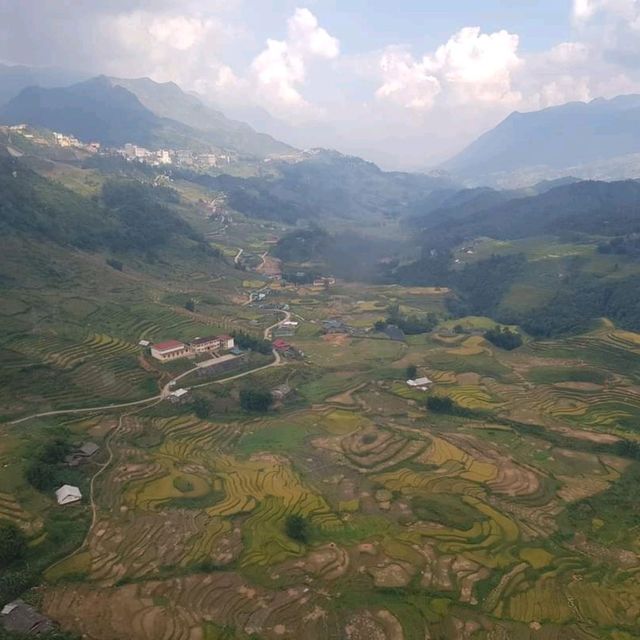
column 169, row 350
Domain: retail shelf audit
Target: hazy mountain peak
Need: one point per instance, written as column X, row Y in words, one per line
column 560, row 137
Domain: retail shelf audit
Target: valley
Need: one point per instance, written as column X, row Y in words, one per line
column 312, row 397
column 498, row 517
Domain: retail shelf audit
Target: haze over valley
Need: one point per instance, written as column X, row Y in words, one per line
column 320, row 321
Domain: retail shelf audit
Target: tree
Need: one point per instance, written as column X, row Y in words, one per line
column 440, row 404
column 258, row 400
column 380, row 325
column 13, row 544
column 297, row 528
column 504, row 338
column 202, row 408
column 190, row 305
column 411, row 372
column 41, row 476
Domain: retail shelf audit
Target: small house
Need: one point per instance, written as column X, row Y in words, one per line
column 395, row 333
column 88, row 449
column 281, row 345
column 143, row 343
column 68, row 494
column 19, row 617
column 179, row 395
column 422, row 384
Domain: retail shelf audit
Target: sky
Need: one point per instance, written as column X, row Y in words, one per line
column 406, row 83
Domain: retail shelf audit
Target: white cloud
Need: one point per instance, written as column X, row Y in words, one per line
column 165, row 46
column 586, row 9
column 406, row 82
column 470, row 66
column 280, row 69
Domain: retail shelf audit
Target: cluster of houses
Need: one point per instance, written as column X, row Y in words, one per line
column 59, row 139
column 180, row 157
column 337, row 326
column 175, row 350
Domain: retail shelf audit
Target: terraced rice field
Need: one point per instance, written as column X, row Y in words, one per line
column 417, row 524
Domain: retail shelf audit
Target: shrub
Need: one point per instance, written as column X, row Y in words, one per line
column 13, row 544
column 297, row 528
column 504, row 338
column 255, row 399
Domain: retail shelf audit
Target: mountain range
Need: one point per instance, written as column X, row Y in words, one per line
column 114, row 112
column 572, row 138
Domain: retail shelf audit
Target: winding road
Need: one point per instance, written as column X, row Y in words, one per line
column 167, row 387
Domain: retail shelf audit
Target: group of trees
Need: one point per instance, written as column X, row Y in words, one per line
column 409, row 324
column 255, row 400
column 504, row 338
column 129, row 215
column 46, row 469
column 13, row 544
column 297, row 528
column 249, row 342
column 628, row 245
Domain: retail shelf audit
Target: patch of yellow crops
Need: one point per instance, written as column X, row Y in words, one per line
column 152, row 493
column 78, row 564
column 442, row 452
column 472, row 397
column 537, row 558
column 341, row 422
column 248, row 482
column 628, row 337
column 472, row 346
column 444, row 377
column 545, row 601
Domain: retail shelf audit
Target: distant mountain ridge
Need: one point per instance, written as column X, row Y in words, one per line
column 15, row 78
column 113, row 112
column 569, row 135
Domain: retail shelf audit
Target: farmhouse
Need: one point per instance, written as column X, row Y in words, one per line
column 286, row 328
column 395, row 332
column 19, row 617
column 202, row 345
column 335, row 326
column 88, row 449
column 82, row 454
column 68, row 494
column 281, row 345
column 419, row 383
column 178, row 396
column 169, row 350
column 324, row 281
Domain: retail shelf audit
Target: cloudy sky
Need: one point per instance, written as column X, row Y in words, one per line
column 403, row 82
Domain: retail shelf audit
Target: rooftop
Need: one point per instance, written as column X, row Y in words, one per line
column 419, row 382
column 169, row 345
column 198, row 341
column 88, row 448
